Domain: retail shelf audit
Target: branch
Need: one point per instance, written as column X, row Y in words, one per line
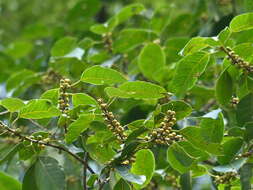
column 36, row 124
column 85, row 171
column 41, row 142
column 4, row 112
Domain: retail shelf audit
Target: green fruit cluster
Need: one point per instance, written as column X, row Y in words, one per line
column 112, row 123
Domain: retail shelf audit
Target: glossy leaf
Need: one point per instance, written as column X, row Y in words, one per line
column 147, row 169
column 193, row 151
column 83, row 99
column 63, row 46
column 19, row 79
column 78, row 126
column 100, row 76
column 124, row 14
column 11, row 153
column 212, row 130
column 29, row 180
column 12, row 104
column 129, row 39
column 193, row 135
column 122, row 185
column 124, row 172
column 179, row 159
column 181, row 108
column 137, row 89
column 172, row 49
column 231, row 167
column 52, row 95
column 231, row 147
column 246, row 175
column 151, row 59
column 224, row 89
column 248, row 133
column 198, row 43
column 242, row 22
column 244, row 111
column 48, row 174
column 8, row 183
column 101, row 153
column 39, row 109
column 187, row 72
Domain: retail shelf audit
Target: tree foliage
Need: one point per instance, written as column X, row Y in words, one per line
column 126, row 95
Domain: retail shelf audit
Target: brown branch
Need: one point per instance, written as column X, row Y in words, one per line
column 41, row 142
column 4, row 112
column 85, row 171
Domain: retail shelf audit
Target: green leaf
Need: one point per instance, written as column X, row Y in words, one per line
column 101, row 153
column 19, row 49
column 144, row 156
column 99, row 75
column 242, row 22
column 20, row 79
column 248, row 134
column 151, row 60
column 172, row 49
column 124, row 14
column 185, row 181
column 122, row 185
column 199, row 170
column 136, row 133
column 11, row 153
column 212, row 130
column 136, row 89
column 86, row 43
column 188, row 70
column 244, row 111
column 246, row 175
column 99, row 29
column 52, row 95
column 194, row 136
column 179, row 159
column 198, row 43
column 181, row 108
column 64, row 46
column 125, row 174
column 8, row 183
column 29, row 180
column 78, row 126
column 83, row 99
column 12, row 104
column 39, row 109
column 230, row 147
column 92, row 179
column 224, row 88
column 193, row 151
column 49, row 174
column 224, row 35
column 231, row 167
column 129, row 39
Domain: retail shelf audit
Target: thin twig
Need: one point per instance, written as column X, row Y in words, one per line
column 41, row 142
column 4, row 112
column 74, row 84
column 85, row 171
column 102, row 183
column 15, row 120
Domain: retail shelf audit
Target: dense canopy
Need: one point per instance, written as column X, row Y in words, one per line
column 126, row 94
